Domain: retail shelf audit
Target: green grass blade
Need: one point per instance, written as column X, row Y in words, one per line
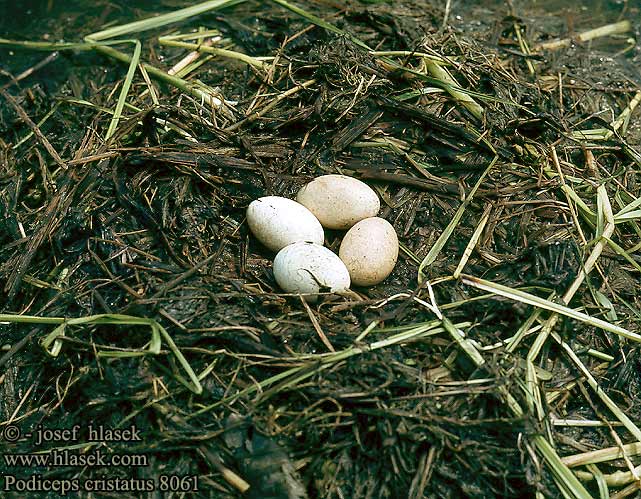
column 162, row 20
column 198, row 91
column 52, row 343
column 631, row 206
column 463, row 342
column 449, row 230
column 441, row 76
column 627, row 216
column 320, row 22
column 523, row 297
column 566, row 480
column 195, row 387
column 620, row 251
column 122, row 98
column 230, row 54
column 607, row 401
column 466, row 100
column 316, row 363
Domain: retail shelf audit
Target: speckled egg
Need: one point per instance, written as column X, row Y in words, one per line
column 308, row 269
column 339, row 201
column 277, row 222
column 369, row 251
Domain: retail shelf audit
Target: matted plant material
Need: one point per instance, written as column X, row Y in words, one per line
column 145, row 339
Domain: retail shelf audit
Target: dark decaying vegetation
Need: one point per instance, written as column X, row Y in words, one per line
column 501, row 357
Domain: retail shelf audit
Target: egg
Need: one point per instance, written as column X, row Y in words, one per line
column 277, row 222
column 339, row 201
column 309, row 268
column 369, row 251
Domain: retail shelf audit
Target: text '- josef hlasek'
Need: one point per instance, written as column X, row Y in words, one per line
column 98, row 433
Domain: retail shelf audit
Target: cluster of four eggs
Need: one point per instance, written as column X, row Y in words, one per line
column 294, row 229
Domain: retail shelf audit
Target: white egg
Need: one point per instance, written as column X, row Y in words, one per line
column 309, row 268
column 369, row 251
column 277, row 222
column 339, row 201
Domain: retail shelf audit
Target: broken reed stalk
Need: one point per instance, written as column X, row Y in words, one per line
column 473, row 241
column 606, row 30
column 597, row 134
column 185, row 65
column 90, row 45
column 232, row 478
column 525, row 48
column 616, row 479
column 608, row 402
column 633, row 488
column 603, row 455
column 604, row 203
column 624, row 116
column 199, row 91
column 452, row 86
column 97, row 41
column 255, row 62
column 35, row 130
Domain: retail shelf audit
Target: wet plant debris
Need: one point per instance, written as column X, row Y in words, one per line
column 146, row 349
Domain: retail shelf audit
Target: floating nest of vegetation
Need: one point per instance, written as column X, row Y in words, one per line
column 500, row 358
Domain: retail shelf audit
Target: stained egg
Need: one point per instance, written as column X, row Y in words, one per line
column 309, row 269
column 339, row 201
column 369, row 250
column 278, row 222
